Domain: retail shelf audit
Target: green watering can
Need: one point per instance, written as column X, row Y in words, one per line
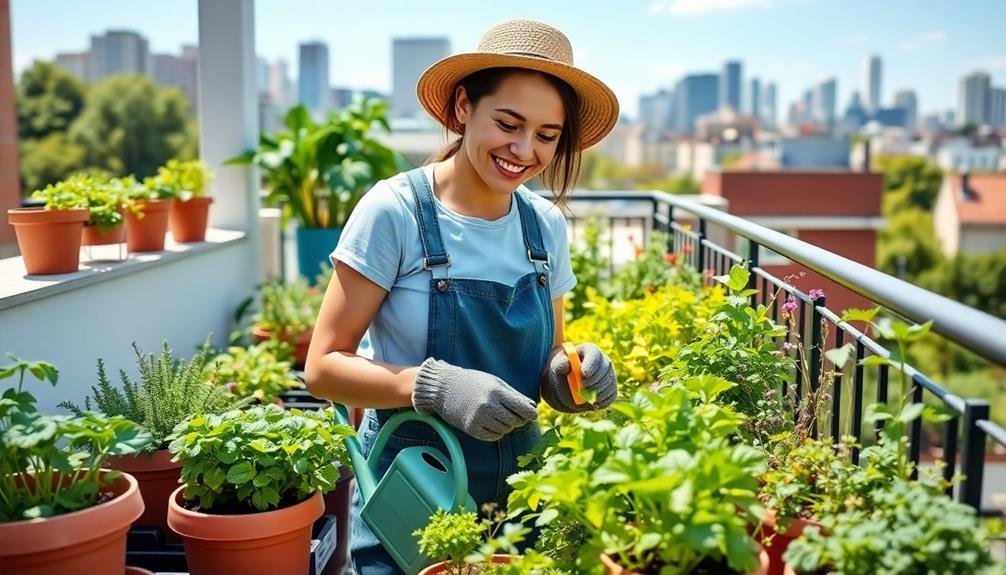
column 419, row 481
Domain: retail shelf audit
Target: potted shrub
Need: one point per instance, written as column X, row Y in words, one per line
column 287, row 315
column 49, row 237
column 190, row 206
column 660, row 487
column 147, row 225
column 253, row 487
column 317, row 172
column 910, row 528
column 107, row 201
column 169, row 391
column 253, row 372
column 60, row 511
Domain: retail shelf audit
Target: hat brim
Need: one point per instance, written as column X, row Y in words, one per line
column 598, row 105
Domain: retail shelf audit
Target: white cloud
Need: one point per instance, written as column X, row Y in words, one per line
column 688, row 7
column 922, row 40
column 992, row 62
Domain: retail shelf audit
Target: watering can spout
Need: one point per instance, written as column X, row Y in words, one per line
column 364, row 474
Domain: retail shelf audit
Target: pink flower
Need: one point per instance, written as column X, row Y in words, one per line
column 786, row 346
column 789, row 305
column 816, row 293
column 671, row 257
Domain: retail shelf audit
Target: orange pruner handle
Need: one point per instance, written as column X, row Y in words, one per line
column 574, row 378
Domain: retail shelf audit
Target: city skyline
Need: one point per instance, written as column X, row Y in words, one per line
column 944, row 55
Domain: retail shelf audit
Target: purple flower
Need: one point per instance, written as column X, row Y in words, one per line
column 789, row 305
column 816, row 293
column 786, row 346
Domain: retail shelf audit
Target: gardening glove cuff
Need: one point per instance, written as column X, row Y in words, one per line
column 478, row 403
column 597, row 374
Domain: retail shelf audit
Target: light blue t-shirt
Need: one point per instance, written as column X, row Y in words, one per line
column 381, row 241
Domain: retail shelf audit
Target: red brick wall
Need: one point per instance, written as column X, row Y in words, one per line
column 803, row 193
column 10, row 191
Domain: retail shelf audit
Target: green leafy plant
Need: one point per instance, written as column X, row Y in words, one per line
column 662, row 487
column 653, row 266
column 318, row 172
column 253, row 372
column 105, row 198
column 49, row 464
column 589, row 266
column 169, row 391
column 909, row 529
column 180, row 179
column 259, row 459
column 288, row 309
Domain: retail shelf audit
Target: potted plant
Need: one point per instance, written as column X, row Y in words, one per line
column 910, row 528
column 464, row 544
column 190, row 206
column 106, row 200
column 659, row 487
column 60, row 511
column 287, row 315
column 254, row 372
column 169, row 391
column 253, row 487
column 318, row 172
column 49, row 237
column 147, row 225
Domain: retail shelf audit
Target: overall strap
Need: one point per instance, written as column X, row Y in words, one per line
column 532, row 233
column 429, row 228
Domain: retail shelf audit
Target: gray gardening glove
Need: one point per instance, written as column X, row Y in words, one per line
column 596, row 370
column 480, row 404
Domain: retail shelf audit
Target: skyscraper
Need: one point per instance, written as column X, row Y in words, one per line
column 997, row 107
column 410, row 57
column 315, row 92
column 770, row 107
column 754, row 98
column 279, row 81
column 694, row 95
column 179, row 71
column 731, row 81
column 74, row 63
column 118, row 52
column 872, row 83
column 655, row 111
column 906, row 100
column 825, row 94
column 973, row 99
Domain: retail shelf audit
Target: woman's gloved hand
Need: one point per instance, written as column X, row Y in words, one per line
column 597, row 374
column 480, row 404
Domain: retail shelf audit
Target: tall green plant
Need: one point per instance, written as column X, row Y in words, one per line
column 318, row 172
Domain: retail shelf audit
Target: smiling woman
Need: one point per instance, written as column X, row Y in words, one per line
column 457, row 271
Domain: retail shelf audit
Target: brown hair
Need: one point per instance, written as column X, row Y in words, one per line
column 561, row 173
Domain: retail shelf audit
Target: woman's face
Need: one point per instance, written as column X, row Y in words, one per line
column 512, row 134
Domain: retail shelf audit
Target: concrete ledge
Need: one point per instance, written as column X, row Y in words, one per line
column 98, row 264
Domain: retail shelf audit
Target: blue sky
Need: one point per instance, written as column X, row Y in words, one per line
column 635, row 46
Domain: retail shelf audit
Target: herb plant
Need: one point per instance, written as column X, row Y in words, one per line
column 253, row 372
column 259, row 459
column 288, row 309
column 181, row 179
column 51, row 465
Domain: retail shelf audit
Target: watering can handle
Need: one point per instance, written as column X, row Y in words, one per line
column 365, row 468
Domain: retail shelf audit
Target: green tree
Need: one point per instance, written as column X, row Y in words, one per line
column 907, row 246
column 130, row 125
column 48, row 160
column 976, row 280
column 909, row 182
column 48, row 100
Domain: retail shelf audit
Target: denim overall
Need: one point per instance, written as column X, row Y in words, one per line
column 477, row 324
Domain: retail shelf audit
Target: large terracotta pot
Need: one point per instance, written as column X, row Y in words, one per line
column 776, row 543
column 89, row 541
column 300, row 346
column 49, row 240
column 157, row 477
column 188, row 219
column 616, row 569
column 146, row 233
column 441, row 567
column 269, row 543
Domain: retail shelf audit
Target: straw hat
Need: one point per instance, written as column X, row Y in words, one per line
column 531, row 45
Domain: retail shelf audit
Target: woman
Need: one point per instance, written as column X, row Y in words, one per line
column 458, row 271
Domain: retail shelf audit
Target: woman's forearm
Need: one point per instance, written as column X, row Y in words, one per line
column 349, row 379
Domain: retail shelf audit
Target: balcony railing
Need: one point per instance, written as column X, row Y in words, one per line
column 965, row 435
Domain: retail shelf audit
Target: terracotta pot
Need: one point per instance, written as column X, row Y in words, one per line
column 299, row 347
column 441, row 567
column 157, row 477
column 269, row 543
column 89, row 541
column 338, row 502
column 137, row 571
column 776, row 543
column 188, row 219
column 146, row 233
column 49, row 240
column 92, row 236
column 616, row 569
